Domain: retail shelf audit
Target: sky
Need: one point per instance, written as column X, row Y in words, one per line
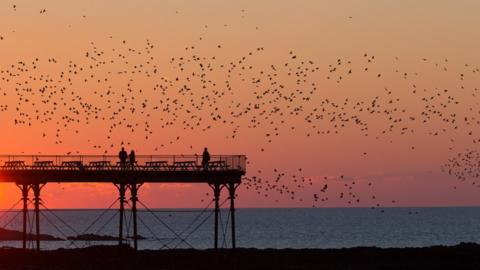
column 274, row 80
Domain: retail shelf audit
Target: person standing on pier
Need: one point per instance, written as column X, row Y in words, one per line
column 122, row 155
column 132, row 159
column 205, row 159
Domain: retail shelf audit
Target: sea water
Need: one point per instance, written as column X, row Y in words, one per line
column 261, row 228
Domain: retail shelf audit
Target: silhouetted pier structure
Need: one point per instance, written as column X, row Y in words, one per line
column 32, row 172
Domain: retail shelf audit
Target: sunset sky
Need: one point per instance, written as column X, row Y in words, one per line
column 67, row 66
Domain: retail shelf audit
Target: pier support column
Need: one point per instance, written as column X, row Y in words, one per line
column 231, row 189
column 24, row 188
column 121, row 190
column 216, row 194
column 36, row 194
column 134, row 198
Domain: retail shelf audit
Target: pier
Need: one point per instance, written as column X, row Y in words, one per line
column 32, row 172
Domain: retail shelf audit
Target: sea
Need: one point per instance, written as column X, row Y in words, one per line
column 259, row 228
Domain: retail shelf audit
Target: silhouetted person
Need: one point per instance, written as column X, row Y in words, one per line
column 122, row 155
column 132, row 158
column 205, row 159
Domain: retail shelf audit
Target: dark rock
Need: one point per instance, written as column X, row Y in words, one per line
column 12, row 235
column 93, row 237
column 97, row 237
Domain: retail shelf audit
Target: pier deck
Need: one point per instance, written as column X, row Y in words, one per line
column 106, row 169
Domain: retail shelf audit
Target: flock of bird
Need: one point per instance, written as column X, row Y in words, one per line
column 130, row 88
column 465, row 166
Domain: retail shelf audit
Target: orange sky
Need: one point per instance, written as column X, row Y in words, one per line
column 433, row 42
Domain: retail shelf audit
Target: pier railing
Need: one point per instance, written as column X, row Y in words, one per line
column 111, row 162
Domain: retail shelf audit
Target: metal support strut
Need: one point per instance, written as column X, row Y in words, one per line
column 216, row 194
column 121, row 190
column 134, row 198
column 231, row 189
column 36, row 194
column 24, row 189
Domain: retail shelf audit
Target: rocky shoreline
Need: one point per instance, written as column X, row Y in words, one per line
column 462, row 256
